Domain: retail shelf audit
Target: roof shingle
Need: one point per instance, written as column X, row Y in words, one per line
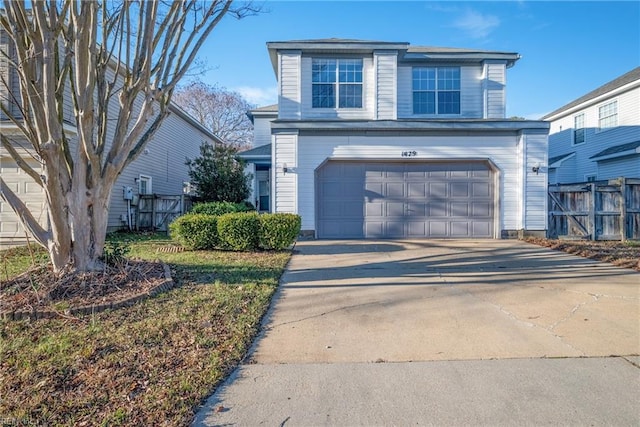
column 624, row 79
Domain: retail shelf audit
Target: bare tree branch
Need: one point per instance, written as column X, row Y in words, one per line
column 6, row 144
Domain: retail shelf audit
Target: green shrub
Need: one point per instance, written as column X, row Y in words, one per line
column 278, row 230
column 115, row 253
column 239, row 231
column 221, row 208
column 195, row 231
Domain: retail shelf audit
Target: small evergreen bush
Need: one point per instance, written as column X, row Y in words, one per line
column 278, row 230
column 239, row 231
column 195, row 231
column 115, row 253
column 221, row 208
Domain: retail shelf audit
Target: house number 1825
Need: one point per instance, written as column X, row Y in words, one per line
column 409, row 153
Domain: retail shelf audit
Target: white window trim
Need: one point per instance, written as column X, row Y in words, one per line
column 149, row 181
column 436, row 114
column 609, row 101
column 338, row 83
column 574, row 129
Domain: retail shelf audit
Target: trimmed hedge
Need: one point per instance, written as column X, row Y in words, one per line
column 195, row 231
column 239, row 231
column 278, row 230
column 221, row 208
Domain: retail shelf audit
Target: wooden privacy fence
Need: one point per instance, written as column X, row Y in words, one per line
column 155, row 211
column 599, row 210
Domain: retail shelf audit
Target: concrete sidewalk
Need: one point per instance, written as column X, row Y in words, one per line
column 513, row 392
column 343, row 305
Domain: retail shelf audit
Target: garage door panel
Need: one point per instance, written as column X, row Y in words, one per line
column 482, row 229
column 480, row 189
column 410, row 199
column 481, row 210
column 394, row 190
column 374, row 229
column 437, row 190
column 375, row 188
column 460, row 229
column 481, row 173
column 330, row 209
column 395, row 229
column 438, row 228
column 459, row 210
column 459, row 189
column 9, row 227
column 331, row 189
column 437, row 209
column 395, row 209
column 351, row 209
column 417, row 229
column 460, row 174
column 374, row 210
column 417, row 189
column 416, row 210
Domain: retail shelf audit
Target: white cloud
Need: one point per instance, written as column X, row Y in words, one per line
column 477, row 25
column 259, row 96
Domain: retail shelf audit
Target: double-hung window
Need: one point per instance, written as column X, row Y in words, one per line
column 608, row 115
column 436, row 90
column 336, row 82
column 144, row 184
column 578, row 129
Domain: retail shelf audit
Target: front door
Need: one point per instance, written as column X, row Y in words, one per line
column 263, row 191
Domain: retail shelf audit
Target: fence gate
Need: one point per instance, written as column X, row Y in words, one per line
column 600, row 210
column 155, row 212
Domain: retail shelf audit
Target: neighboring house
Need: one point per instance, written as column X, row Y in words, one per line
column 380, row 140
column 597, row 136
column 160, row 170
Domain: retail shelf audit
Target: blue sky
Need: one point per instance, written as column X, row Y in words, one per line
column 567, row 48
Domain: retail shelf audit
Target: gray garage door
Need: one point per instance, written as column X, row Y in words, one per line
column 408, row 199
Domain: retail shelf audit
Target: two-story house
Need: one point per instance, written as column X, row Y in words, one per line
column 597, row 136
column 387, row 140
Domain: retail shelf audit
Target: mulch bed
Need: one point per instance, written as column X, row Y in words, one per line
column 617, row 253
column 40, row 292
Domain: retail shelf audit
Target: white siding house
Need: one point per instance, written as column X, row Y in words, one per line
column 386, row 140
column 160, row 170
column 597, row 136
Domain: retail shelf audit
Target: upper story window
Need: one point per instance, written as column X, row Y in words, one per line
column 578, row 129
column 436, row 90
column 608, row 115
column 336, row 82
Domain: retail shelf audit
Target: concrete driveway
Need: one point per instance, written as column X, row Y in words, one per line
column 345, row 305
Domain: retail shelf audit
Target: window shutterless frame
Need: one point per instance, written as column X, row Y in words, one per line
column 436, row 90
column 144, row 184
column 578, row 129
column 608, row 115
column 336, row 83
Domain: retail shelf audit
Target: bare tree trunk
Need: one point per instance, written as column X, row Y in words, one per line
column 117, row 64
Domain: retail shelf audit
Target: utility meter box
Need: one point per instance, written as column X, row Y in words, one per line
column 128, row 193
